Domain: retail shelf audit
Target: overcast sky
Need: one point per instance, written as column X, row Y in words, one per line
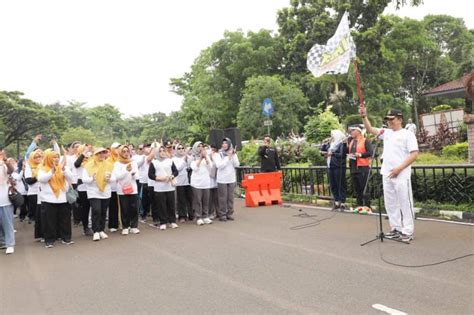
column 124, row 52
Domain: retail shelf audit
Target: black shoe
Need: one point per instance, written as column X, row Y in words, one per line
column 68, row 242
column 230, row 218
column 88, row 232
column 223, row 219
column 342, row 207
column 49, row 245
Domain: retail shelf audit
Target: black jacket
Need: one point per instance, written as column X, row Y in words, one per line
column 269, row 159
column 338, row 157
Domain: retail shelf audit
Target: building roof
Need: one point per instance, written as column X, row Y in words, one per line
column 450, row 89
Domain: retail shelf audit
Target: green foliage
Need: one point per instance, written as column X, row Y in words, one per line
column 441, row 107
column 319, row 126
column 313, row 156
column 288, row 102
column 458, row 150
column 248, row 156
column 78, row 134
column 431, row 159
column 290, row 152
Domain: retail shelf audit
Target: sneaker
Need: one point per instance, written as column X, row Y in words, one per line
column 199, row 222
column 134, row 231
column 49, row 245
column 207, row 221
column 223, row 219
column 112, row 230
column 230, row 218
column 142, row 220
column 163, row 227
column 68, row 242
column 10, row 250
column 182, row 220
column 212, row 217
column 342, row 207
column 336, row 206
column 88, row 232
column 393, row 235
column 406, row 238
column 125, row 231
column 3, row 246
column 174, row 226
column 96, row 236
column 103, row 235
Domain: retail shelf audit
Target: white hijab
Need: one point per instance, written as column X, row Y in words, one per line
column 336, row 138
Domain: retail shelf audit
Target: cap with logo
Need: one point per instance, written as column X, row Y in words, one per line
column 393, row 113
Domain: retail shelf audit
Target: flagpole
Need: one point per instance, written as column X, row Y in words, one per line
column 359, row 88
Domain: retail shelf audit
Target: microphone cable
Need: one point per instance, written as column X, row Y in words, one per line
column 315, row 222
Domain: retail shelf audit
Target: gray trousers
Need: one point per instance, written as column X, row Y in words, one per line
column 201, row 202
column 226, row 199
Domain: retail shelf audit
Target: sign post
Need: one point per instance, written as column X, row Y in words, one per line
column 267, row 110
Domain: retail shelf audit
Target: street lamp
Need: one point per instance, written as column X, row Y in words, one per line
column 414, row 104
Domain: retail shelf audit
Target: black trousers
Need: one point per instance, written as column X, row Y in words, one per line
column 32, row 203
column 153, row 204
column 359, row 179
column 114, row 211
column 76, row 209
column 129, row 210
column 184, row 196
column 165, row 207
column 99, row 213
column 56, row 221
column 144, row 200
column 24, row 208
column 85, row 207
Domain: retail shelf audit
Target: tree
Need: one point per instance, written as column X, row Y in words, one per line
column 21, row 118
column 320, row 125
column 288, row 103
column 78, row 134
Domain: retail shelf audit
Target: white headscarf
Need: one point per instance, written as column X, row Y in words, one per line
column 337, row 136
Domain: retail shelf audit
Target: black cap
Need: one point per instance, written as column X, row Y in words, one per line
column 393, row 113
column 168, row 143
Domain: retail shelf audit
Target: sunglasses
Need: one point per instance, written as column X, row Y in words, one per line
column 180, row 148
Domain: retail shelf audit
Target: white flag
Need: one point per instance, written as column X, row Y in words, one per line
column 336, row 55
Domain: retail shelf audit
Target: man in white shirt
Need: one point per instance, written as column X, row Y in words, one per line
column 400, row 150
column 410, row 126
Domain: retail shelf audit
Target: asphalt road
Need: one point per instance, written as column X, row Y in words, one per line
column 270, row 260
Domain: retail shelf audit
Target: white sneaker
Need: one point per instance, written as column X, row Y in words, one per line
column 199, row 222
column 134, row 231
column 125, row 231
column 103, row 235
column 10, row 250
column 112, row 230
column 96, row 236
column 212, row 217
column 163, row 227
column 174, row 226
column 207, row 221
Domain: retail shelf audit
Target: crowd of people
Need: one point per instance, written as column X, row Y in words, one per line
column 168, row 183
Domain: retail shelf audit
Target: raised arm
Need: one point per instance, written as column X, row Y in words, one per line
column 368, row 126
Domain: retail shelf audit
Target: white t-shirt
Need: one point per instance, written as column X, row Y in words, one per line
column 226, row 168
column 124, row 177
column 19, row 184
column 397, row 146
column 162, row 169
column 200, row 177
column 70, row 159
column 411, row 127
column 32, row 189
column 182, row 167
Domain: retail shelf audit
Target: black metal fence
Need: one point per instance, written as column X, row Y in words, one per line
column 442, row 183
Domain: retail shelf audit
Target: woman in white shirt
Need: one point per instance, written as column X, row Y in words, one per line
column 54, row 179
column 97, row 175
column 226, row 162
column 7, row 233
column 20, row 185
column 184, row 193
column 164, row 171
column 201, row 183
column 125, row 171
column 84, row 152
column 31, row 173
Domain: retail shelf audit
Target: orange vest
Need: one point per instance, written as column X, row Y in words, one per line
column 360, row 149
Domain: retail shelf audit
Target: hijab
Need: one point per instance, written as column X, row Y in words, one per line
column 120, row 154
column 230, row 147
column 100, row 168
column 196, row 151
column 57, row 182
column 32, row 163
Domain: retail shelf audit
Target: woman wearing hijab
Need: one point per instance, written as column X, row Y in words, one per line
column 336, row 152
column 201, row 183
column 213, row 193
column 125, row 170
column 183, row 189
column 54, row 179
column 97, row 175
column 114, row 201
column 163, row 171
column 226, row 162
column 31, row 178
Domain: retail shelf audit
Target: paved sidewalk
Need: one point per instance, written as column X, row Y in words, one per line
column 270, row 260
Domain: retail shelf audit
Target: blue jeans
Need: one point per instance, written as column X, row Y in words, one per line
column 337, row 181
column 7, row 233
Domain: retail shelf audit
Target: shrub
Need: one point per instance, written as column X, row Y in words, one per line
column 313, row 156
column 458, row 150
column 248, row 155
column 441, row 107
column 319, row 126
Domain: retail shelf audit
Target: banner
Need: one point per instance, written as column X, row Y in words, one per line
column 336, row 55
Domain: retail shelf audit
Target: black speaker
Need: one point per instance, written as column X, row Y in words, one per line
column 234, row 135
column 215, row 137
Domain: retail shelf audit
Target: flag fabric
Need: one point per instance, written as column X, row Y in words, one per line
column 336, row 55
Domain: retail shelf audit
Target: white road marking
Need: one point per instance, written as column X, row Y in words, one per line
column 387, row 309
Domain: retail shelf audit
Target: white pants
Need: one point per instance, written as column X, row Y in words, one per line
column 398, row 198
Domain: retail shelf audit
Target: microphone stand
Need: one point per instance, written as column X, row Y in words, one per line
column 381, row 235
